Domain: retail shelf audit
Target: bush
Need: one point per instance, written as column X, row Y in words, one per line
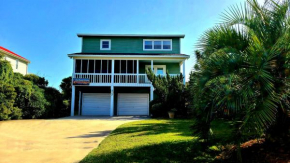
column 55, row 103
column 7, row 96
column 170, row 93
column 29, row 97
column 157, row 109
column 36, row 104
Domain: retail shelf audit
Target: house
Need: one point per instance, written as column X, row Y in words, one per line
column 109, row 73
column 19, row 64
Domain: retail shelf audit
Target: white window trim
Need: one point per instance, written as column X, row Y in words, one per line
column 155, row 68
column 101, row 43
column 153, row 44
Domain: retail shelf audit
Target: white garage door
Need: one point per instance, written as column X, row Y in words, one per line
column 133, row 104
column 96, row 104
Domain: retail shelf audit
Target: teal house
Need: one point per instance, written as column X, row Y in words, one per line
column 109, row 73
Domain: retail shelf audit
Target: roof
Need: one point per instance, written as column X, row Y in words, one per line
column 130, row 54
column 133, row 35
column 14, row 54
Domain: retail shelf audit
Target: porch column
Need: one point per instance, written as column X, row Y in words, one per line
column 151, row 88
column 137, row 71
column 112, row 71
column 151, row 92
column 184, row 77
column 72, row 112
column 80, row 100
column 112, row 102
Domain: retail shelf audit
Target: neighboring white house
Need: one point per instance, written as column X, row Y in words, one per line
column 18, row 63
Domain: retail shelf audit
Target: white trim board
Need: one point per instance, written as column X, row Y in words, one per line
column 145, row 57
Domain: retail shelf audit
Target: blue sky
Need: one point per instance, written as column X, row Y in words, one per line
column 44, row 31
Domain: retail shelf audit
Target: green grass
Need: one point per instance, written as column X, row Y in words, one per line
column 151, row 141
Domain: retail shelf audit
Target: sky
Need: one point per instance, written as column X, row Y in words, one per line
column 45, row 31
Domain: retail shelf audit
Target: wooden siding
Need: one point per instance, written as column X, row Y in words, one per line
column 124, row 45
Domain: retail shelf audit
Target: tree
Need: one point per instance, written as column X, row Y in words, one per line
column 243, row 70
column 7, row 96
column 36, row 104
column 170, row 92
column 6, row 71
column 7, row 92
column 37, row 80
column 66, row 87
column 55, row 103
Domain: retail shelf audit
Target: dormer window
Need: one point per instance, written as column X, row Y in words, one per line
column 105, row 45
column 156, row 44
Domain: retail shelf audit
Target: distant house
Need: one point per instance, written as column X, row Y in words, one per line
column 109, row 73
column 18, row 63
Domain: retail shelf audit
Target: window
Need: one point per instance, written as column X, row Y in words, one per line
column 160, row 71
column 16, row 64
column 157, row 69
column 155, row 44
column 148, row 45
column 126, row 66
column 91, row 66
column 105, row 45
column 166, row 45
column 84, row 67
column 78, row 66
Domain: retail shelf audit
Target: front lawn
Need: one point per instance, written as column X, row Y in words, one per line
column 151, row 141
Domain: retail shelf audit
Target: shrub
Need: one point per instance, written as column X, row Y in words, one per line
column 157, row 109
column 170, row 93
column 7, row 96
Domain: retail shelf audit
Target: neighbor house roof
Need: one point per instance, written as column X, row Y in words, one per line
column 6, row 51
column 133, row 35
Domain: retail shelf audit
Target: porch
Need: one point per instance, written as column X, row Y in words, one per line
column 124, row 72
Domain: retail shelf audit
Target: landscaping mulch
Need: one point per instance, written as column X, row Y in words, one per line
column 257, row 151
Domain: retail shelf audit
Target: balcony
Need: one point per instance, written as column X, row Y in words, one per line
column 121, row 72
column 118, row 79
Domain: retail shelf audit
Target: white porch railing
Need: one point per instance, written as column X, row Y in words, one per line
column 95, row 78
column 118, row 78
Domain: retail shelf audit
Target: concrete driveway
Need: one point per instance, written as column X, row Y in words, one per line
column 64, row 140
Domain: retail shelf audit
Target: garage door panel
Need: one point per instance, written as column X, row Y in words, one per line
column 133, row 104
column 96, row 104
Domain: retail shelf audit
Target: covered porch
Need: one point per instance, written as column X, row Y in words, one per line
column 129, row 72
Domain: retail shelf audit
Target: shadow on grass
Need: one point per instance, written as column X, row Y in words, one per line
column 181, row 151
column 180, row 127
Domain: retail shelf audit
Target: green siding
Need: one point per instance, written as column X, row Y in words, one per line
column 172, row 68
column 124, row 45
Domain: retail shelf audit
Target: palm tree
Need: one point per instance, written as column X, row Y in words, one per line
column 243, row 66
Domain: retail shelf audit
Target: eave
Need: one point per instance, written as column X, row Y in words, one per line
column 114, row 56
column 15, row 56
column 133, row 35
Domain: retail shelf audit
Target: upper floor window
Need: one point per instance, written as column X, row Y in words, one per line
column 105, row 45
column 154, row 44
